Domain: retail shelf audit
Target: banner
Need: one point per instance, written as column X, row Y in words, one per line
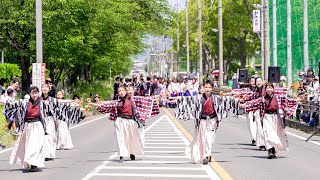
column 256, row 21
column 38, row 74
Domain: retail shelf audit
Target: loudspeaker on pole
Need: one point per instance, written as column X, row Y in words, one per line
column 274, row 74
column 243, row 75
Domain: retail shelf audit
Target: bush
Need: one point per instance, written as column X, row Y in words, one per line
column 9, row 70
column 102, row 88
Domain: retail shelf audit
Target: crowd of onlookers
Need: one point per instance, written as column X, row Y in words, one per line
column 159, row 86
column 308, row 91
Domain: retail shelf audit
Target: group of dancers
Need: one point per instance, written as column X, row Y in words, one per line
column 265, row 105
column 44, row 120
column 43, row 125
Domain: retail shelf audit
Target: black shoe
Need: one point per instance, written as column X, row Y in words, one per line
column 34, row 169
column 132, row 157
column 270, row 155
column 121, row 160
column 273, row 151
column 2, row 146
column 48, row 159
column 262, row 148
column 253, row 142
column 205, row 161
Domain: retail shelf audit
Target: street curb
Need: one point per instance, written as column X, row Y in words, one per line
column 301, row 126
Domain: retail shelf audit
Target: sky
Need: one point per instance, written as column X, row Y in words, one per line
column 174, row 3
column 147, row 40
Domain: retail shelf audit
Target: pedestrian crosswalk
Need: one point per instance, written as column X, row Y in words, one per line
column 164, row 158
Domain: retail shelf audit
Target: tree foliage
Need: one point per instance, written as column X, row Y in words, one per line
column 81, row 38
column 239, row 42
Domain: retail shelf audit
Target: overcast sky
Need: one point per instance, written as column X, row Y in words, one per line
column 174, row 3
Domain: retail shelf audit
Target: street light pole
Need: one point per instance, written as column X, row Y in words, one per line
column 110, row 72
column 274, row 29
column 200, row 42
column 2, row 57
column 39, row 50
column 266, row 38
column 305, row 35
column 262, row 40
column 187, row 37
column 289, row 50
column 220, row 43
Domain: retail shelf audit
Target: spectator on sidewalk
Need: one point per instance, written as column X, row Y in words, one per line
column 283, row 81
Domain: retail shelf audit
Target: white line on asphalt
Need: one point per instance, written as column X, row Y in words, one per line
column 172, row 157
column 152, row 175
column 164, row 143
column 212, row 174
column 154, row 123
column 161, row 137
column 155, row 168
column 113, row 156
column 179, row 137
column 87, row 122
column 161, row 140
column 96, row 170
column 303, row 138
column 294, row 135
column 159, row 162
column 161, row 133
column 9, row 149
column 164, row 151
column 167, row 147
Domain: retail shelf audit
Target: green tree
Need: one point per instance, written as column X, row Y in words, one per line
column 80, row 37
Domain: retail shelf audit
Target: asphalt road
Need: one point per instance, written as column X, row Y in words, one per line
column 95, row 156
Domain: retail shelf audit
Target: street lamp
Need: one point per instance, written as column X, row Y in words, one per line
column 214, row 30
column 258, row 6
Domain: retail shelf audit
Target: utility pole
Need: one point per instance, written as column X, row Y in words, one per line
column 110, row 72
column 200, row 42
column 266, row 38
column 187, row 37
column 39, row 31
column 274, row 38
column 220, row 43
column 171, row 63
column 178, row 41
column 305, row 36
column 2, row 57
column 262, row 40
column 289, row 50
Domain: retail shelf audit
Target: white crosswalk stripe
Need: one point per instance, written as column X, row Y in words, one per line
column 164, row 158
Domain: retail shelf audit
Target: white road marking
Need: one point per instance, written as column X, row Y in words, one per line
column 73, row 127
column 151, row 175
column 170, row 136
column 160, row 140
column 163, row 143
column 162, row 147
column 172, row 157
column 164, row 151
column 154, row 168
